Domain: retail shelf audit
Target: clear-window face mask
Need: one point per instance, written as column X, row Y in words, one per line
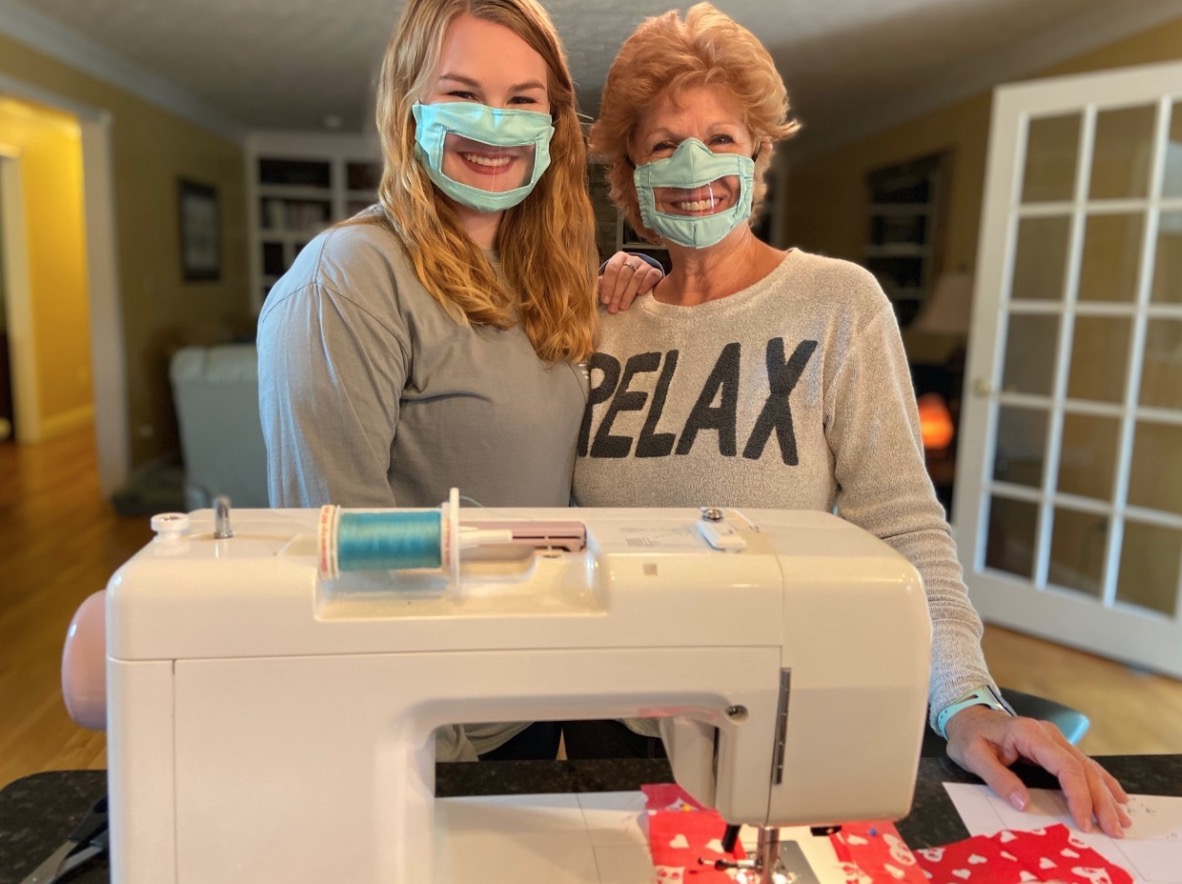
column 488, row 159
column 695, row 197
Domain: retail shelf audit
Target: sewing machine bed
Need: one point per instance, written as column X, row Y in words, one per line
column 576, row 838
column 590, row 837
column 38, row 811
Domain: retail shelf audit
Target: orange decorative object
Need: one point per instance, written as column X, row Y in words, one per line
column 935, row 423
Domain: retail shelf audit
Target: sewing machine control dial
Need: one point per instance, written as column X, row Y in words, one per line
column 720, row 535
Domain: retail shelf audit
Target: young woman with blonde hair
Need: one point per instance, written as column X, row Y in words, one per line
column 434, row 340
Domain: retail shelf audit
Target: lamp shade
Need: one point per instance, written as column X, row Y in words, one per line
column 949, row 309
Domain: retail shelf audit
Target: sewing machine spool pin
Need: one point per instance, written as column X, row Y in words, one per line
column 221, row 518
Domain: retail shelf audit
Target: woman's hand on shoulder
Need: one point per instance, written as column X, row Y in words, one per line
column 625, row 277
column 986, row 742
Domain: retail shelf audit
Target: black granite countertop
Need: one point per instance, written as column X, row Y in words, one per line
column 38, row 811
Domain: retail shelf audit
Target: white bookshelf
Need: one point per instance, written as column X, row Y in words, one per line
column 905, row 230
column 297, row 184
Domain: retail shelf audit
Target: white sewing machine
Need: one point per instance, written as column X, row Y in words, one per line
column 266, row 724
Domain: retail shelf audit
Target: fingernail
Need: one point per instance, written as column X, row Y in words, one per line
column 1017, row 800
column 1087, row 826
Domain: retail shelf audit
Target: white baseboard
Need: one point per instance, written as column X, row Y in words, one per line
column 66, row 422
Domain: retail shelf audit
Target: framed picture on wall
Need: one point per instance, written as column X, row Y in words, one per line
column 201, row 253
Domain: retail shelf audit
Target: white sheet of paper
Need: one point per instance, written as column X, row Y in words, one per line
column 1151, row 850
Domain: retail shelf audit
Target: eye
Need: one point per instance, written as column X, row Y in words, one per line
column 462, row 95
column 663, row 147
column 523, row 100
column 722, row 140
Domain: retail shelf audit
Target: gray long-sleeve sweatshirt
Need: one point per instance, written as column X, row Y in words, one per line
column 793, row 394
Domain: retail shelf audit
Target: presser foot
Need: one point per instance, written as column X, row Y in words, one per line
column 774, row 863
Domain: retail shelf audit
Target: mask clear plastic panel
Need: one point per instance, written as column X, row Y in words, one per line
column 485, row 166
column 697, row 202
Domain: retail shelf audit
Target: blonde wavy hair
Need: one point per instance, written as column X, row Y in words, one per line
column 546, row 243
column 666, row 55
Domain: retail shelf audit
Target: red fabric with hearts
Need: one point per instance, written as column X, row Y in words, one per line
column 874, row 851
column 680, row 832
column 1015, row 857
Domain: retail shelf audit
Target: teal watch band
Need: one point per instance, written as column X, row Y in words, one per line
column 982, row 696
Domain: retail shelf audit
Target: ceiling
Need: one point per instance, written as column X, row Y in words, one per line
column 849, row 64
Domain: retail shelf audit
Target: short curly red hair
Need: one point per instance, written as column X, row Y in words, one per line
column 666, row 55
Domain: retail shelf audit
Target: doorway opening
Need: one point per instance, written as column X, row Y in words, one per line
column 103, row 374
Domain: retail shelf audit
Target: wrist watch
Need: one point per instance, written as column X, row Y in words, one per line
column 980, row 696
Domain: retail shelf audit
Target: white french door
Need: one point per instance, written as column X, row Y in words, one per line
column 1069, row 482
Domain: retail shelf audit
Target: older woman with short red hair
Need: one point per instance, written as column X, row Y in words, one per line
column 758, row 377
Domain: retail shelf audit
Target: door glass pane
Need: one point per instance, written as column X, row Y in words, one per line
column 1172, row 185
column 1078, row 541
column 1021, row 444
column 1087, row 457
column 1030, row 354
column 1150, row 566
column 1155, row 479
column 1013, row 530
column 1111, row 258
column 1167, row 273
column 1040, row 263
column 1099, row 359
column 1052, row 154
column 1123, row 150
column 1161, row 373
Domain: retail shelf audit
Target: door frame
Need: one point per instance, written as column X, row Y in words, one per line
column 108, row 359
column 18, row 299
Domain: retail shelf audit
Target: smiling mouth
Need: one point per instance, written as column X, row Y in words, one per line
column 701, row 206
column 691, row 206
column 492, row 163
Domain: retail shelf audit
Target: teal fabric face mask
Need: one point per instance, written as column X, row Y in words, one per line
column 490, row 145
column 696, row 179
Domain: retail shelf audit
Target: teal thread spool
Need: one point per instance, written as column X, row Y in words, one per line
column 389, row 541
column 379, row 541
column 394, row 540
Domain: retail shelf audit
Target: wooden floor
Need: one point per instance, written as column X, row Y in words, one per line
column 60, row 541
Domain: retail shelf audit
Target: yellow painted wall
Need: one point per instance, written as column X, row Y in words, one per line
column 151, row 149
column 826, row 206
column 50, row 150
